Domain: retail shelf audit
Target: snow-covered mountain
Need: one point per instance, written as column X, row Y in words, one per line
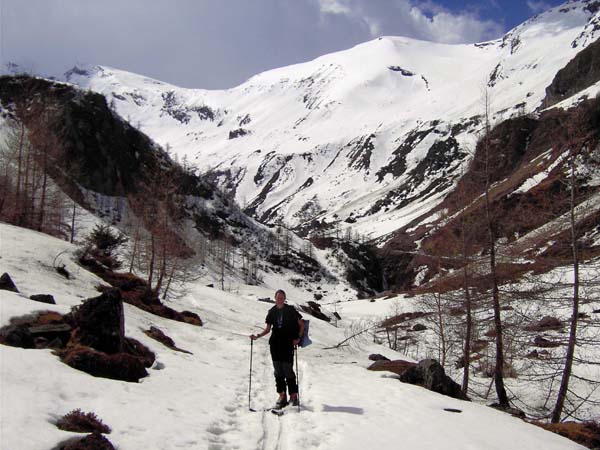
column 377, row 134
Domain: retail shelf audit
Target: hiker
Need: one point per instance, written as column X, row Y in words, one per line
column 288, row 327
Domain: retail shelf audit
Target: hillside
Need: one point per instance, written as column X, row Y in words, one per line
column 200, row 400
column 371, row 137
column 417, row 200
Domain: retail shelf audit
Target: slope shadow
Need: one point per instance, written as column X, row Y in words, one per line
column 343, row 409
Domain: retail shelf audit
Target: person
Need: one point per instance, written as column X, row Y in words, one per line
column 287, row 326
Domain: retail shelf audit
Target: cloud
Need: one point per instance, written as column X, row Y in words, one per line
column 538, row 6
column 213, row 44
column 425, row 20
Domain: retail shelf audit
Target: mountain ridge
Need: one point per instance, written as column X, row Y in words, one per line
column 327, row 139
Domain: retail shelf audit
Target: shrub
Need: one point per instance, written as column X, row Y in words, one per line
column 101, row 245
column 80, row 422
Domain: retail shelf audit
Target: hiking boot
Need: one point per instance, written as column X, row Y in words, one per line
column 281, row 403
column 294, row 401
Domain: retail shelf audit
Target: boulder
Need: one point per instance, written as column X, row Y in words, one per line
column 118, row 366
column 431, row 375
column 544, row 324
column 16, row 336
column 419, row 327
column 377, row 357
column 540, row 341
column 99, row 322
column 43, row 298
column 314, row 309
column 7, row 284
column 398, row 367
column 140, row 351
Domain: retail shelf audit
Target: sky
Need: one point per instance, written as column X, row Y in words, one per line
column 218, row 44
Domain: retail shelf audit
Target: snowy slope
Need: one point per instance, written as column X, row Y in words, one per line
column 376, row 134
column 200, row 401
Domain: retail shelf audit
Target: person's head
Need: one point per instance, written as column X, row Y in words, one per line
column 280, row 297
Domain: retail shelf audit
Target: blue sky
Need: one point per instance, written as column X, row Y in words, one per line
column 510, row 13
column 217, row 44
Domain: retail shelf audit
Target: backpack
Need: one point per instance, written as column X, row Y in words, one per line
column 305, row 341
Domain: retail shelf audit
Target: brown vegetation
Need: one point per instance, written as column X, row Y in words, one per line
column 94, row 441
column 80, row 422
column 584, row 433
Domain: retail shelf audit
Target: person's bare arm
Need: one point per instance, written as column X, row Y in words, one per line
column 264, row 332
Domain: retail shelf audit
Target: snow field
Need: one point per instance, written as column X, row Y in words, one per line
column 200, row 401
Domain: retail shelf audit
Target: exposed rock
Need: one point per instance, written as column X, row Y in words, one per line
column 16, row 336
column 535, row 354
column 161, row 337
column 314, row 309
column 233, row 134
column 43, row 298
column 120, row 366
column 7, row 284
column 191, row 318
column 579, row 73
column 39, row 330
column 400, row 318
column 318, row 296
column 100, row 322
column 398, row 367
column 545, row 324
column 53, row 335
column 540, row 341
column 378, row 357
column 140, row 351
column 419, row 327
column 431, row 375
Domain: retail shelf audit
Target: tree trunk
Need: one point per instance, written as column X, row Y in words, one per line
column 73, row 221
column 566, row 376
column 468, row 333
column 498, row 369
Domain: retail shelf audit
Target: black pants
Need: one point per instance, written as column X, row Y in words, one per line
column 283, row 363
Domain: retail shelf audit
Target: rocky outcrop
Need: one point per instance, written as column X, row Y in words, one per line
column 580, row 73
column 91, row 338
column 399, row 367
column 100, row 324
column 43, row 298
column 7, row 284
column 431, row 375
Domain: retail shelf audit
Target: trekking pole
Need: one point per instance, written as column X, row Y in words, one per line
column 298, row 378
column 250, row 378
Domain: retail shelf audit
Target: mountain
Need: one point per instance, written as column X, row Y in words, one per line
column 371, row 137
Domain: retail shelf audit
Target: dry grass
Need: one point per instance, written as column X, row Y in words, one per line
column 80, row 422
column 584, row 433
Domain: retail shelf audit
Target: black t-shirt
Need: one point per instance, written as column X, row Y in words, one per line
column 284, row 323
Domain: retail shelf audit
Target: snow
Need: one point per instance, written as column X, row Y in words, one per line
column 200, row 401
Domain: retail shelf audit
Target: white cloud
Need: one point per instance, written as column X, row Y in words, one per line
column 428, row 20
column 538, row 6
column 214, row 44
